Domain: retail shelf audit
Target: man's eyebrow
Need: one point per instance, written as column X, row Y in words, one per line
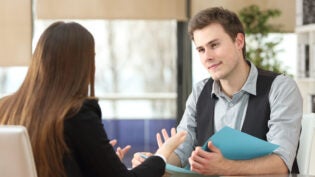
column 199, row 47
column 208, row 43
column 213, row 41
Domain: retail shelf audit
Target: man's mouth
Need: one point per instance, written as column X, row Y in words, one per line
column 214, row 66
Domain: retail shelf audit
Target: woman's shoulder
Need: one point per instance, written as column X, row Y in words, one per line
column 91, row 105
column 90, row 109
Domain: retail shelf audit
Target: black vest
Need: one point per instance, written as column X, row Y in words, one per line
column 257, row 114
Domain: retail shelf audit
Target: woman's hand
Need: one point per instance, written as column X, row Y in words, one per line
column 138, row 158
column 120, row 152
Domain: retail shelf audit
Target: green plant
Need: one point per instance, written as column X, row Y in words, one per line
column 260, row 47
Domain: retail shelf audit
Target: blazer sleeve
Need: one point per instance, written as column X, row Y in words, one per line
column 89, row 147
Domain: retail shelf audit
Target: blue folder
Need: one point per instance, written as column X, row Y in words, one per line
column 234, row 145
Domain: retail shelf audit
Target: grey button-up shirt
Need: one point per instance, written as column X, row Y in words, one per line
column 285, row 117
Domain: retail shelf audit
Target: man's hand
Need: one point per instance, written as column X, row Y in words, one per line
column 208, row 163
column 213, row 163
column 167, row 145
column 165, row 136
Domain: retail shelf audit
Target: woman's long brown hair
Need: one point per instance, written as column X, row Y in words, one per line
column 57, row 83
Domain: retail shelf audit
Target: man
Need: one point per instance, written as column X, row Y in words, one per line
column 239, row 95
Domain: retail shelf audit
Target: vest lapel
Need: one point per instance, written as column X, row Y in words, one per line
column 205, row 113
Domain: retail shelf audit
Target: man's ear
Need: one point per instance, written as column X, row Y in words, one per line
column 240, row 41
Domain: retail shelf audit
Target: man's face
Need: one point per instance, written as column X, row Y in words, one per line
column 218, row 53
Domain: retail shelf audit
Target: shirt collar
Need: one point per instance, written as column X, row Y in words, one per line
column 249, row 86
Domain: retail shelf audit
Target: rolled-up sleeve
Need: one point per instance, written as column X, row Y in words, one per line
column 285, row 117
column 188, row 123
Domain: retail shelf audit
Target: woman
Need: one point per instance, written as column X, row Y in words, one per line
column 56, row 103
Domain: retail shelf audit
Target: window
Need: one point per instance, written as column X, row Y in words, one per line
column 308, row 12
column 313, row 103
column 307, row 60
column 135, row 66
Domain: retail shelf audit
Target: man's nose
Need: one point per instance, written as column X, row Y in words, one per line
column 208, row 54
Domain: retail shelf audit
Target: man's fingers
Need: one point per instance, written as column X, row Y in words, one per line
column 173, row 131
column 159, row 139
column 165, row 134
column 213, row 148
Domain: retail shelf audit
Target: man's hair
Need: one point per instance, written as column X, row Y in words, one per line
column 226, row 18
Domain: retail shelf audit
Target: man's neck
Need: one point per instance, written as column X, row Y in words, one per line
column 236, row 80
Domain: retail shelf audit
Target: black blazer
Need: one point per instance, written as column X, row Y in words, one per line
column 91, row 155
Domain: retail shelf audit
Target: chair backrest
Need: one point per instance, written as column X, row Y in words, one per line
column 306, row 153
column 16, row 155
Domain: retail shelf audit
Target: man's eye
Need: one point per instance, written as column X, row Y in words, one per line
column 201, row 50
column 214, row 45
